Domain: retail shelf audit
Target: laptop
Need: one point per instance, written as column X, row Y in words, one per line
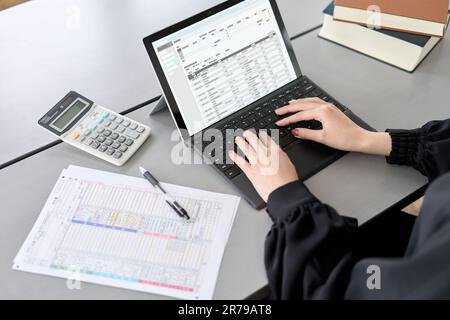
column 227, row 69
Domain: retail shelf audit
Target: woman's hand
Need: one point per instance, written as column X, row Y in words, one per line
column 338, row 131
column 268, row 167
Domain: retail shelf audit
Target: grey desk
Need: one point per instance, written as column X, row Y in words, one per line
column 357, row 185
column 92, row 46
column 245, row 248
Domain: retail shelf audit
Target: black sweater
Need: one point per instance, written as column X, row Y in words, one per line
column 308, row 251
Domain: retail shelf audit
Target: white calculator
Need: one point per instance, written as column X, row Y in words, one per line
column 94, row 129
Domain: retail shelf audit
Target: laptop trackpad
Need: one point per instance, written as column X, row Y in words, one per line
column 310, row 157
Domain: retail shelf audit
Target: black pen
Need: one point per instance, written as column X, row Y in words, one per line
column 170, row 201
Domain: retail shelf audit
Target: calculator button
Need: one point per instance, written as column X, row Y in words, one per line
column 131, row 134
column 114, row 126
column 104, row 115
column 121, row 139
column 129, row 142
column 112, row 117
column 108, row 142
column 121, row 129
column 101, row 139
column 93, row 125
column 115, row 145
column 110, row 151
column 119, row 120
column 75, row 135
column 102, row 148
column 117, row 155
column 107, row 123
column 123, row 148
column 100, row 130
column 133, row 126
column 107, row 133
column 126, row 123
column 140, row 129
column 87, row 132
column 88, row 141
column 114, row 136
column 95, row 145
column 94, row 135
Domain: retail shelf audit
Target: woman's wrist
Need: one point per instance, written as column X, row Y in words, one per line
column 377, row 143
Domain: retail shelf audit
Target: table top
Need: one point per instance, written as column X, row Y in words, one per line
column 356, row 185
column 43, row 170
column 95, row 48
column 407, row 100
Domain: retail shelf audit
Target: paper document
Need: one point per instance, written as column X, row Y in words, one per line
column 117, row 230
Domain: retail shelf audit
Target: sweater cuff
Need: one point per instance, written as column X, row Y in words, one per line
column 405, row 145
column 285, row 201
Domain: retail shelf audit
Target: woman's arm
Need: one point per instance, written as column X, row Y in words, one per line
column 307, row 251
column 427, row 149
column 338, row 131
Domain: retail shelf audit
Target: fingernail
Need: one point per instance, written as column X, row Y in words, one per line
column 295, row 132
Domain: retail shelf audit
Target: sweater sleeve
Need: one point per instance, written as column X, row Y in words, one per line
column 426, row 149
column 307, row 251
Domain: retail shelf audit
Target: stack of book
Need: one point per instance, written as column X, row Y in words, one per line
column 398, row 32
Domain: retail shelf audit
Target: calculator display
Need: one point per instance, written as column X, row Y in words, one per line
column 71, row 113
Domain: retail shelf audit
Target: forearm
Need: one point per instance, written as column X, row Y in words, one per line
column 425, row 149
column 377, row 143
column 308, row 248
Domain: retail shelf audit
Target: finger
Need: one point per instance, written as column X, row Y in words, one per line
column 264, row 137
column 308, row 100
column 252, row 139
column 267, row 140
column 257, row 145
column 307, row 134
column 298, row 105
column 248, row 151
column 239, row 161
column 312, row 114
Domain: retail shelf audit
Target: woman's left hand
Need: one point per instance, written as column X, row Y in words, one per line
column 268, row 167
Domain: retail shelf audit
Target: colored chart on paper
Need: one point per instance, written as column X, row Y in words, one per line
column 117, row 230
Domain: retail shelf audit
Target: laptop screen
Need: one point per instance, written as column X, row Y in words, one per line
column 224, row 62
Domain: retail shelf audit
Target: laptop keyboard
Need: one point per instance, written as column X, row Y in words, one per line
column 262, row 116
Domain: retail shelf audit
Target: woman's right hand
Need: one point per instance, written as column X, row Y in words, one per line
column 338, row 131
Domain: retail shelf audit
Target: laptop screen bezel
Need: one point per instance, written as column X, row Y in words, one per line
column 167, row 91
